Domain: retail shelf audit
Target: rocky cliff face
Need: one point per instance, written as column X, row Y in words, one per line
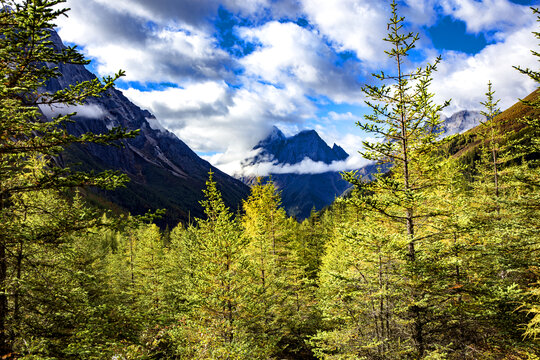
column 300, row 192
column 164, row 171
column 461, row 122
column 306, row 144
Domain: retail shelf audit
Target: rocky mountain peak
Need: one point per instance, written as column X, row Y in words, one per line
column 294, row 149
column 275, row 135
column 300, row 192
column 461, row 121
column 340, row 153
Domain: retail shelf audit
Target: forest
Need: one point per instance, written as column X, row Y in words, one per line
column 436, row 258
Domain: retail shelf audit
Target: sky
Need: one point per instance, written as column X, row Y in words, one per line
column 220, row 73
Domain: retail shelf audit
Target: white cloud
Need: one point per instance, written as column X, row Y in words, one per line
column 287, row 50
column 420, row 12
column 348, row 116
column 204, row 99
column 122, row 39
column 487, row 15
column 292, row 56
column 89, row 111
column 306, row 166
column 464, row 78
column 192, row 13
column 352, row 25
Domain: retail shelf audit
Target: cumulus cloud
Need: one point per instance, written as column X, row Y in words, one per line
column 201, row 99
column 191, row 12
column 290, row 55
column 464, row 78
column 487, row 15
column 421, row 12
column 119, row 39
column 352, row 25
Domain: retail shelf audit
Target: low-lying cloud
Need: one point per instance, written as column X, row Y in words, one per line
column 89, row 111
column 306, row 166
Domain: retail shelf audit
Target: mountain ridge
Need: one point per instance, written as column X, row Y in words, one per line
column 276, row 147
column 164, row 171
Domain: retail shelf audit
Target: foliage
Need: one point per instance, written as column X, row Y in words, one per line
column 435, row 259
column 33, row 210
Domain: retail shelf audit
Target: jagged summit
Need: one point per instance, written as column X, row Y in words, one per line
column 275, row 135
column 340, row 153
column 292, row 150
column 300, row 192
column 308, row 132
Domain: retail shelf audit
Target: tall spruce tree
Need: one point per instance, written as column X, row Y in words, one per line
column 264, row 226
column 488, row 169
column 526, row 150
column 490, row 112
column 406, row 121
column 29, row 142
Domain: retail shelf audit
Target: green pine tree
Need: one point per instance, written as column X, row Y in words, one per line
column 29, row 143
column 407, row 124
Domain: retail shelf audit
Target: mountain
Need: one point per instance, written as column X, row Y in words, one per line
column 164, row 171
column 466, row 146
column 292, row 150
column 300, row 192
column 461, row 122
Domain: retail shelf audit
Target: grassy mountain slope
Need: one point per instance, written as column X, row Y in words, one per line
column 466, row 146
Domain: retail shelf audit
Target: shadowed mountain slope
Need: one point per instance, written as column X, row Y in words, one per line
column 164, row 171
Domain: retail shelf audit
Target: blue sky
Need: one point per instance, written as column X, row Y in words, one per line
column 221, row 73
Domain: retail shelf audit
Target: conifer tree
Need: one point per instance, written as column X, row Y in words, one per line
column 218, row 324
column 29, row 143
column 407, row 123
column 281, row 291
column 264, row 226
column 488, row 168
column 490, row 112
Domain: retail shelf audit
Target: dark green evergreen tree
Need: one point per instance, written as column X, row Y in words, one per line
column 29, row 144
column 407, row 123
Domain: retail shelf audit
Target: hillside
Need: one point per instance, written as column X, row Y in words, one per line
column 466, row 146
column 165, row 173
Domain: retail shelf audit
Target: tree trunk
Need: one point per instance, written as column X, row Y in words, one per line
column 417, row 325
column 4, row 345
